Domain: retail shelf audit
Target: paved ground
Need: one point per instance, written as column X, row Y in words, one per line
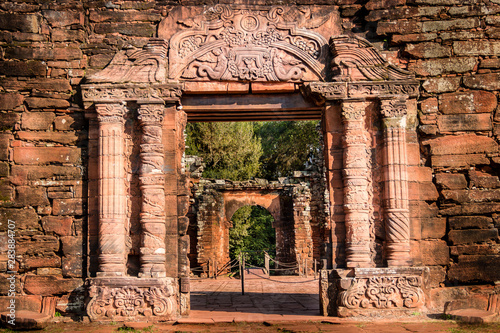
column 276, row 298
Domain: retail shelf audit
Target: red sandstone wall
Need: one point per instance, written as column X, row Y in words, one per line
column 47, row 47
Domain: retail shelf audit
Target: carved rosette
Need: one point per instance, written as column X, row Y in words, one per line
column 112, row 303
column 382, row 292
column 152, row 180
column 112, row 196
column 356, row 182
column 397, row 222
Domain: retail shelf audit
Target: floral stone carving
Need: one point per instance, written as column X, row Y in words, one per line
column 368, row 291
column 132, row 298
column 259, row 44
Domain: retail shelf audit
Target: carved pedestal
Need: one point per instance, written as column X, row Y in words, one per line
column 130, row 298
column 373, row 292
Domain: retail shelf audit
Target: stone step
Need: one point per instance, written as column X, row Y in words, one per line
column 26, row 320
column 475, row 316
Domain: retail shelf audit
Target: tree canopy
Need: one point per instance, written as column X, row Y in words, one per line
column 241, row 150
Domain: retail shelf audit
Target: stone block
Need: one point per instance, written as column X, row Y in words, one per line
column 123, row 16
column 59, row 225
column 50, row 285
column 23, row 68
column 489, row 81
column 433, row 228
column 37, row 120
column 72, row 266
column 467, row 222
column 20, row 22
column 471, row 195
column 470, row 236
column 483, row 180
column 429, row 106
column 428, row 50
column 72, row 245
column 64, row 138
column 38, row 244
column 464, row 122
column 462, row 144
column 475, row 249
column 412, row 38
column 451, row 181
column 419, row 174
column 21, row 174
column 458, row 161
column 468, row 102
column 67, row 207
column 69, row 122
column 436, row 67
column 48, row 260
column 382, row 4
column 457, row 24
column 23, row 302
column 10, row 101
column 475, row 268
column 422, row 209
column 476, row 47
column 66, row 35
column 4, row 169
column 59, row 18
column 437, row 276
column 441, row 84
column 31, row 196
column 471, row 209
column 128, row 29
column 46, row 103
column 40, row 85
column 435, row 252
column 23, row 219
column 425, row 191
column 9, row 120
column 48, row 271
column 398, row 27
column 5, row 140
column 42, row 155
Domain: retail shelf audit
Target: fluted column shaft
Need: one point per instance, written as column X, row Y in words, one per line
column 397, row 214
column 112, row 196
column 356, row 181
column 152, row 179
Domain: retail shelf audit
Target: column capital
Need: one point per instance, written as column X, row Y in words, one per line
column 393, row 107
column 352, row 110
column 111, row 112
column 151, row 113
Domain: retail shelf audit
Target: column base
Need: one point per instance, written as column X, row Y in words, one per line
column 373, row 292
column 132, row 299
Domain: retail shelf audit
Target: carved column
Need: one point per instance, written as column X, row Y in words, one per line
column 112, row 196
column 356, row 180
column 152, row 180
column 397, row 219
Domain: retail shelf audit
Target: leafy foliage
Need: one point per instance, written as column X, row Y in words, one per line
column 287, row 145
column 229, row 150
column 252, row 232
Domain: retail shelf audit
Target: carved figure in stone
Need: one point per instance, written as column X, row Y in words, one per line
column 251, row 45
column 357, row 60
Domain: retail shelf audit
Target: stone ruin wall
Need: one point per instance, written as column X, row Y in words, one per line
column 299, row 219
column 47, row 48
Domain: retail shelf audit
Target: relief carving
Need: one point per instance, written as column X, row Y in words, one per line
column 120, row 93
column 357, row 60
column 383, row 292
column 118, row 303
column 262, row 44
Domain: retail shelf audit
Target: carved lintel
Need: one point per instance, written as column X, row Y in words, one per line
column 119, row 93
column 114, row 299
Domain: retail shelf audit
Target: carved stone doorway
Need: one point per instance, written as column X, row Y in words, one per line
column 138, row 196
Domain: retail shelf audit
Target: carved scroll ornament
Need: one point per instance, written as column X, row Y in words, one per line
column 109, row 303
column 249, row 45
column 383, row 292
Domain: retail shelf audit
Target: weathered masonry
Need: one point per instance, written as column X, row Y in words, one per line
column 94, row 98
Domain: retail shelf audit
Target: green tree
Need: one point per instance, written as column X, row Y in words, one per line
column 287, row 145
column 229, row 150
column 252, row 233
